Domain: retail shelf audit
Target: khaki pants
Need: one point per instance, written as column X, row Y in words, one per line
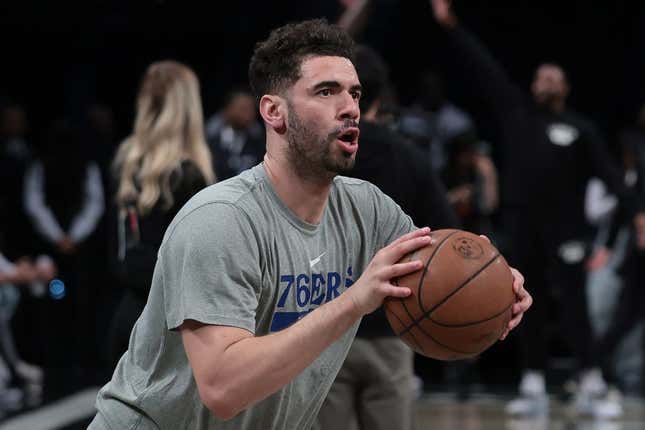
column 373, row 389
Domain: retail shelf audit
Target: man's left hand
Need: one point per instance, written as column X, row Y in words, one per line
column 522, row 304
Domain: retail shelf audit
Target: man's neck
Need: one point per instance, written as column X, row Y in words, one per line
column 305, row 198
column 558, row 106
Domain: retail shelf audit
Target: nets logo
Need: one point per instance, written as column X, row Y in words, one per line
column 301, row 294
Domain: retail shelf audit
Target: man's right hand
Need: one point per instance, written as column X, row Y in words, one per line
column 375, row 284
column 443, row 13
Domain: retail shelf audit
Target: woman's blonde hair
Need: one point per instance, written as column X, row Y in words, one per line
column 169, row 128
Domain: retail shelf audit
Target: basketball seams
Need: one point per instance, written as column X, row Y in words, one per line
column 426, row 314
column 472, row 322
column 387, row 311
column 449, row 348
column 415, row 323
column 425, row 268
column 420, row 285
column 463, row 284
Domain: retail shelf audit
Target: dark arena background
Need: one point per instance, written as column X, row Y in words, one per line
column 73, row 59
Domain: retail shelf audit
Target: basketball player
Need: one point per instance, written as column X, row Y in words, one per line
column 261, row 280
column 550, row 153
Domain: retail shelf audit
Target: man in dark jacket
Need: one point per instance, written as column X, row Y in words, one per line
column 549, row 154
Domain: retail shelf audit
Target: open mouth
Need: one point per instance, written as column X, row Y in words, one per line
column 349, row 136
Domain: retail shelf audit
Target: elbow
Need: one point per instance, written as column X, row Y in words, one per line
column 220, row 402
column 222, row 409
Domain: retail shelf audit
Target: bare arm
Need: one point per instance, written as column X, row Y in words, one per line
column 476, row 65
column 92, row 208
column 488, row 173
column 234, row 369
column 354, row 18
column 20, row 272
column 41, row 215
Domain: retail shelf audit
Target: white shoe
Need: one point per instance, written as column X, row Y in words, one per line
column 592, row 382
column 533, row 400
column 609, row 406
column 593, row 397
column 606, row 409
column 528, row 406
column 532, row 384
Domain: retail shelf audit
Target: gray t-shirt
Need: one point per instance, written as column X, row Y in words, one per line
column 236, row 256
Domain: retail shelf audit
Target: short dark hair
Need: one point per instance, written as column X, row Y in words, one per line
column 275, row 64
column 236, row 91
column 373, row 73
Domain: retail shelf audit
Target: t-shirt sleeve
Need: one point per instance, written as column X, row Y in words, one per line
column 211, row 269
column 391, row 221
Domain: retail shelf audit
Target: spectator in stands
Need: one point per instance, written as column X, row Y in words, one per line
column 234, row 135
column 28, row 377
column 63, row 198
column 163, row 162
column 15, row 156
column 549, row 155
column 471, row 179
column 629, row 309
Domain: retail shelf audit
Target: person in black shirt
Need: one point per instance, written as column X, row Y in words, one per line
column 548, row 155
column 63, row 200
column 158, row 169
column 234, row 135
column 16, row 153
column 629, row 306
column 374, row 388
column 471, row 179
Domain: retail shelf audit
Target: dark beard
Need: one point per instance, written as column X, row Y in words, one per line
column 546, row 101
column 310, row 155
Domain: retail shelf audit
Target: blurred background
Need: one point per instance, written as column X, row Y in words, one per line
column 69, row 76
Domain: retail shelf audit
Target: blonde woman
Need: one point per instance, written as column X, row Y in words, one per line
column 158, row 168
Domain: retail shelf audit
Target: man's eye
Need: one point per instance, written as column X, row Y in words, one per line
column 325, row 92
column 356, row 95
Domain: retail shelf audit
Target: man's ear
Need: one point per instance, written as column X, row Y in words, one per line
column 273, row 111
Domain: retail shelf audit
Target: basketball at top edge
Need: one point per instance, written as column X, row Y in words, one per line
column 461, row 299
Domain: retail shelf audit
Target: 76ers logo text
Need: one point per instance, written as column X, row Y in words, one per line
column 302, row 293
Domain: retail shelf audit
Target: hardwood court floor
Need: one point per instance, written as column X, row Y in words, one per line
column 486, row 412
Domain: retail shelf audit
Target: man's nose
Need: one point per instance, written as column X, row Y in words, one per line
column 349, row 108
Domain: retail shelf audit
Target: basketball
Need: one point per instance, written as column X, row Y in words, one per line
column 461, row 299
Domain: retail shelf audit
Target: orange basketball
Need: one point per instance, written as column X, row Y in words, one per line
column 461, row 299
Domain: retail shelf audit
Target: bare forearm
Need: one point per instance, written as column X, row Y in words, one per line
column 354, row 18
column 255, row 367
column 491, row 198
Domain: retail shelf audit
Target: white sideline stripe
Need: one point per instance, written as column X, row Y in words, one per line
column 58, row 414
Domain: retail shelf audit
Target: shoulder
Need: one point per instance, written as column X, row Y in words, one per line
column 236, row 197
column 352, row 186
column 362, row 193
